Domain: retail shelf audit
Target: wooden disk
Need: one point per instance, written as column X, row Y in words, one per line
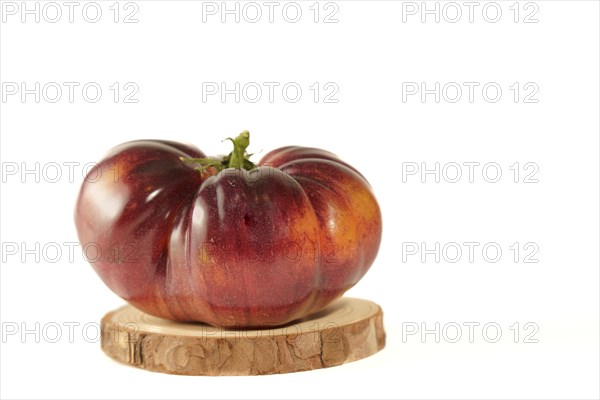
column 347, row 330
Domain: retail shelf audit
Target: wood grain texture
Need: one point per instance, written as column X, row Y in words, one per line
column 347, row 330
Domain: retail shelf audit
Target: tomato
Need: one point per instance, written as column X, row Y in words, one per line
column 225, row 241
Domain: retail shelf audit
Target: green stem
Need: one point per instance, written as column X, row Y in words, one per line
column 238, row 155
column 238, row 158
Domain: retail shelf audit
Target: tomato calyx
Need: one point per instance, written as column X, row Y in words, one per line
column 238, row 158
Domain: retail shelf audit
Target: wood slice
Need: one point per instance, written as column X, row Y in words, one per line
column 347, row 330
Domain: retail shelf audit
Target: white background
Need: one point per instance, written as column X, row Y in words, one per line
column 369, row 53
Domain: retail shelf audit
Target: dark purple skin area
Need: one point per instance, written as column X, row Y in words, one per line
column 237, row 249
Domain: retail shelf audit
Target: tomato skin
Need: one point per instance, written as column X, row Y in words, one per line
column 236, row 249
